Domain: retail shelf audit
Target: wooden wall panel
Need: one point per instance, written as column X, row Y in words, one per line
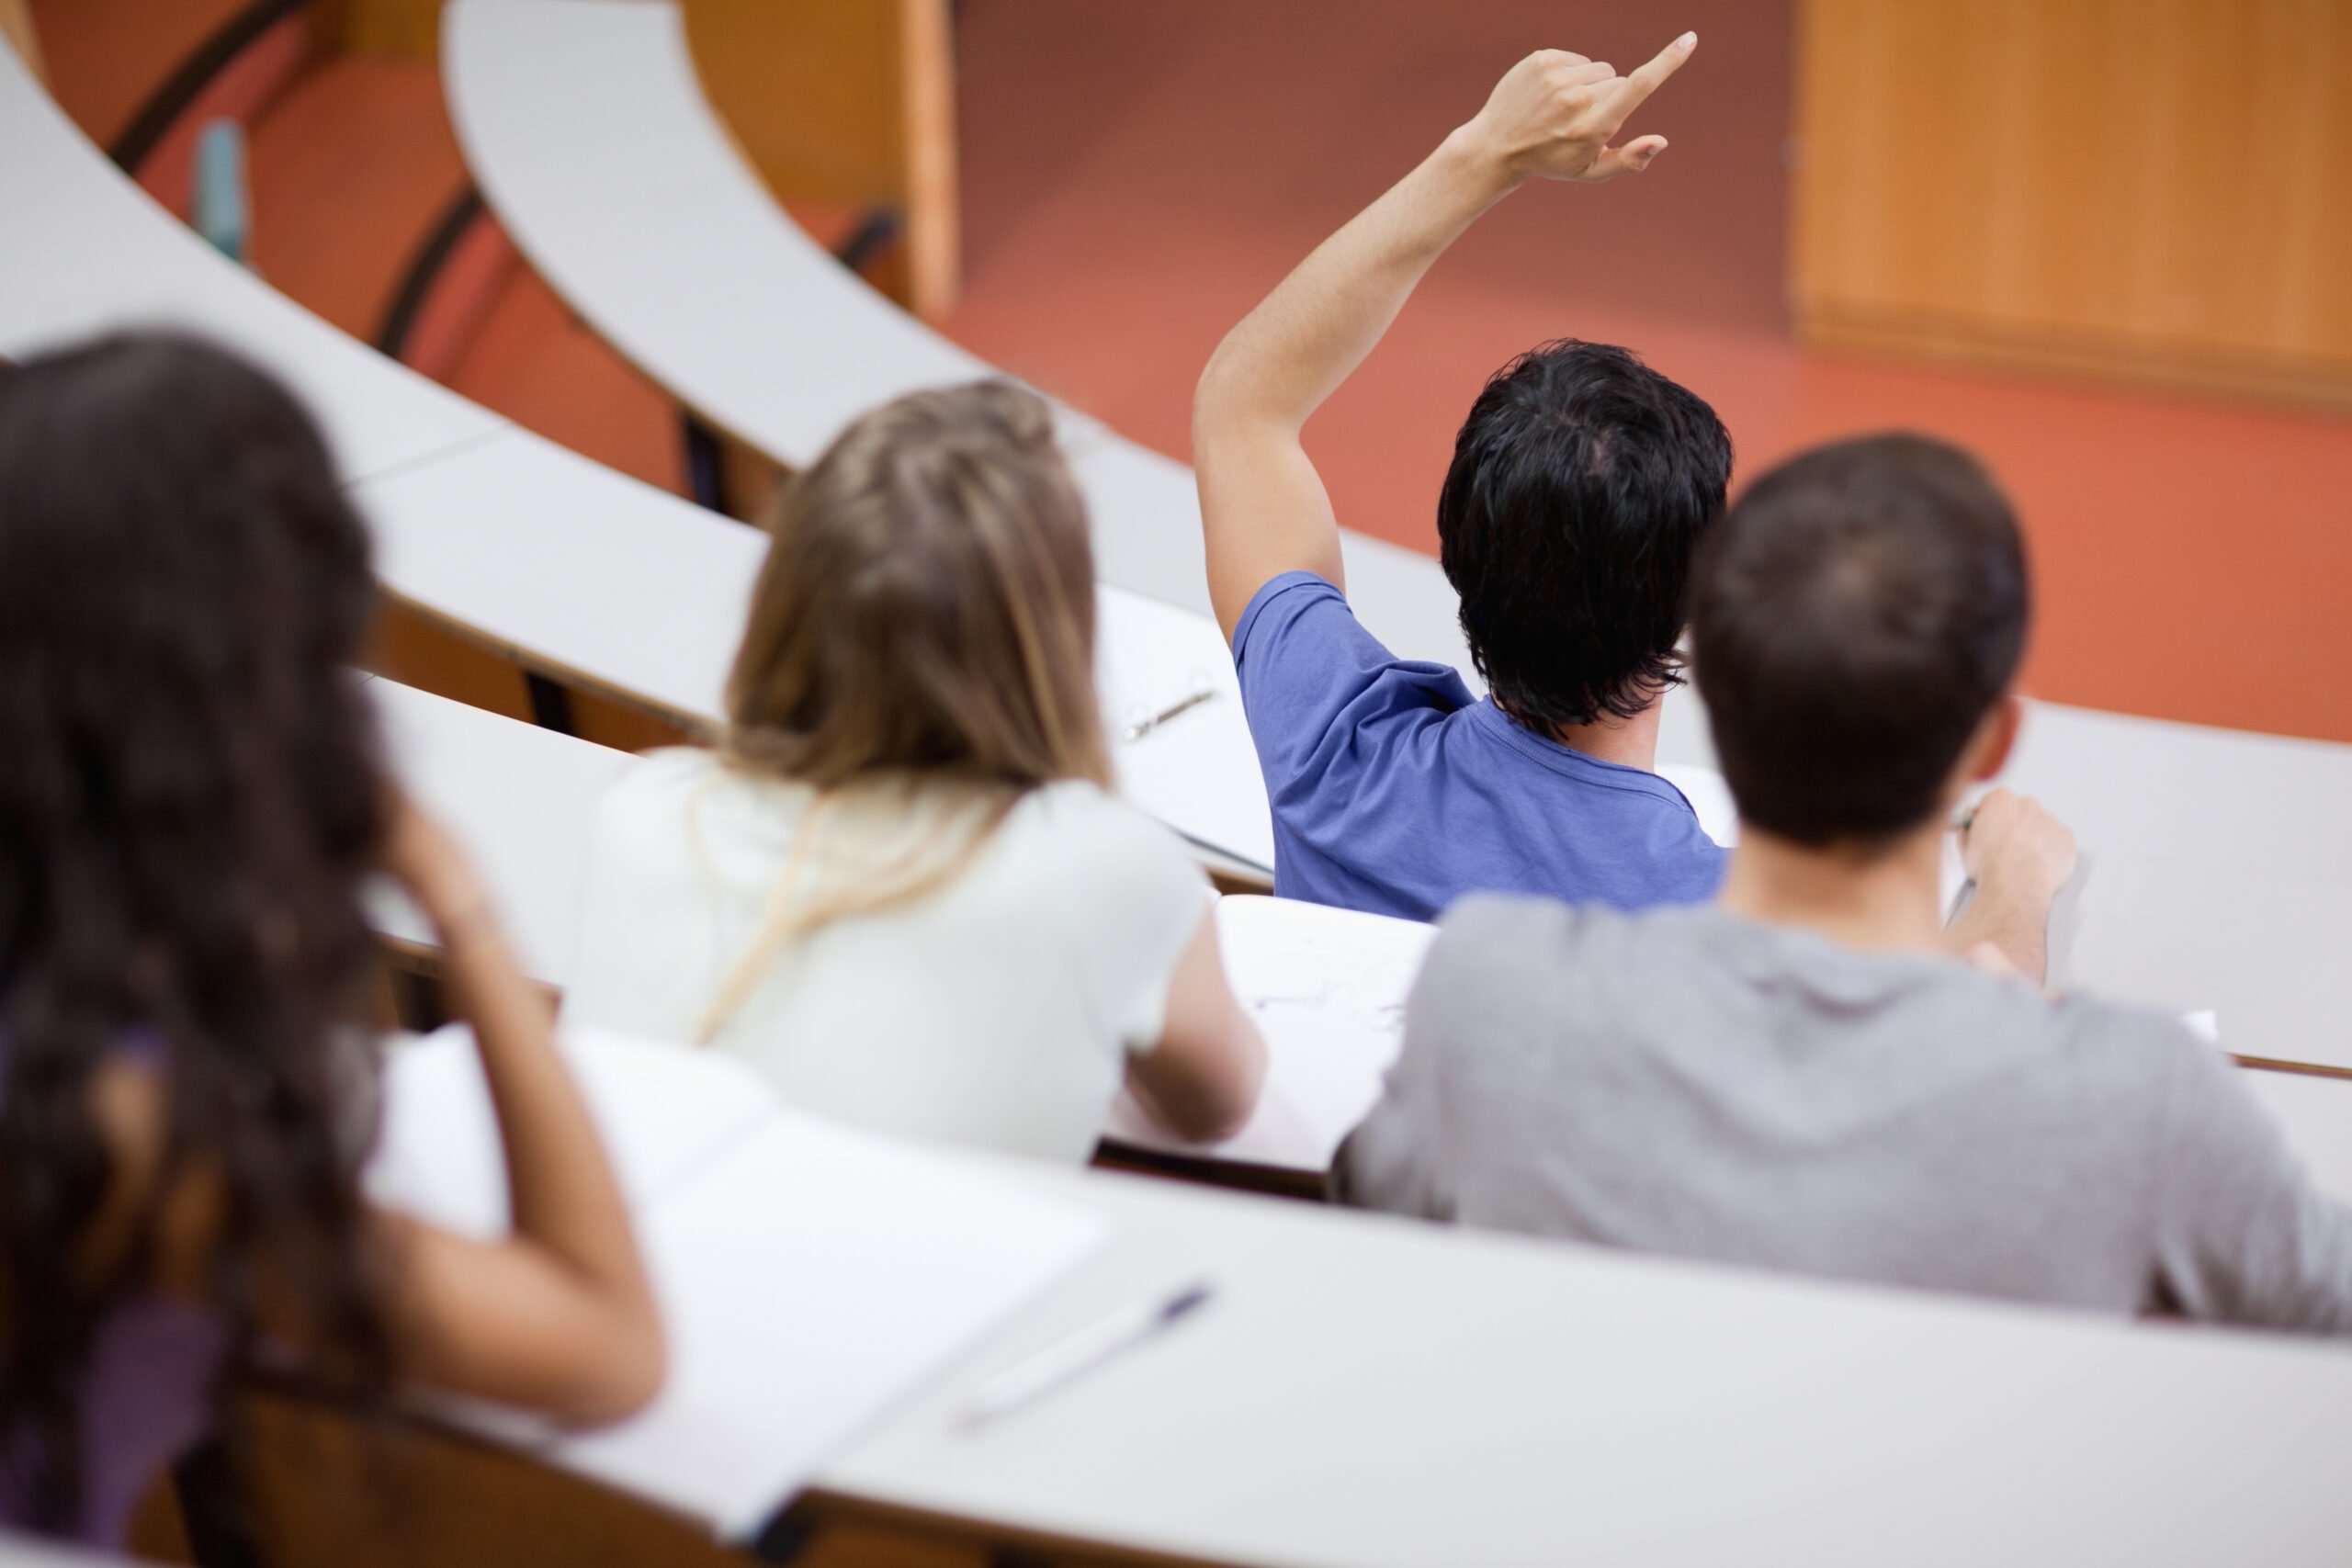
column 2159, row 189
column 16, row 30
column 847, row 104
column 400, row 30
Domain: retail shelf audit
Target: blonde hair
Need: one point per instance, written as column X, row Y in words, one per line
column 921, row 640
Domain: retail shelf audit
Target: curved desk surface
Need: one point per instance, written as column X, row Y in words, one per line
column 1326, row 985
column 1363, row 1392
column 84, row 250
column 587, row 131
column 564, row 565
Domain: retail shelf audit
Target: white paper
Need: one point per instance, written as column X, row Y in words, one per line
column 660, row 1109
column 1709, row 798
column 2315, row 1112
column 1327, row 989
column 1198, row 772
column 810, row 1279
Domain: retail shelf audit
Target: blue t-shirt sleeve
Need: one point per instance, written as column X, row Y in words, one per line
column 1324, row 698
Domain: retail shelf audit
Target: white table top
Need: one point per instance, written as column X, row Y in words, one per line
column 573, row 565
column 2219, row 872
column 2316, row 1114
column 84, row 250
column 1367, row 1391
column 588, row 133
column 1326, row 984
column 520, row 800
column 632, row 590
column 2218, row 868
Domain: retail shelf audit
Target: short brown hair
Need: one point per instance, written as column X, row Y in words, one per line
column 927, row 605
column 1852, row 620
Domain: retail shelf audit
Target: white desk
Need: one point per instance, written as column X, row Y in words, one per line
column 2219, row 868
column 2223, row 859
column 2315, row 1113
column 579, row 569
column 84, row 250
column 2219, row 871
column 520, row 800
column 1328, row 986
column 586, row 128
column 1377, row 1393
column 613, row 584
column 588, row 133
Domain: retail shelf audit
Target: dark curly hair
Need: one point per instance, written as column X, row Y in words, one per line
column 1580, row 486
column 190, row 797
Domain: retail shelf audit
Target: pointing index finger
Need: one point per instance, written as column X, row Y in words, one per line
column 1647, row 79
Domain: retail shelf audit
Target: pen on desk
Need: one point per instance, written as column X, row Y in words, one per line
column 1088, row 1347
column 1138, row 728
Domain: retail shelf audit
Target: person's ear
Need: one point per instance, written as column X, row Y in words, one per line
column 1996, row 737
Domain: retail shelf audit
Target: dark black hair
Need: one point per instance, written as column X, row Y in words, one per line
column 1856, row 616
column 1580, row 486
column 189, row 801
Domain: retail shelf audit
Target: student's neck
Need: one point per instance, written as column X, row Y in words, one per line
column 1628, row 742
column 1890, row 900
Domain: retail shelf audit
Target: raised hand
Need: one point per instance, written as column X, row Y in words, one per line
column 1554, row 113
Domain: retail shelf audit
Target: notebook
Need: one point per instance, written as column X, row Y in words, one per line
column 810, row 1275
column 1328, row 988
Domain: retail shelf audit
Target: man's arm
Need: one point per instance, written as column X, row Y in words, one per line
column 1263, row 507
column 2020, row 856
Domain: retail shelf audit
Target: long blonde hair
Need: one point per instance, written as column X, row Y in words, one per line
column 922, row 639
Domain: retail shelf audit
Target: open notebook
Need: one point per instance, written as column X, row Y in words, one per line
column 810, row 1275
column 1327, row 989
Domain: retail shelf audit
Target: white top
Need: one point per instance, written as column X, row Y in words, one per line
column 997, row 1013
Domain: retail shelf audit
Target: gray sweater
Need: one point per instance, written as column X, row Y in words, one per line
column 1686, row 1081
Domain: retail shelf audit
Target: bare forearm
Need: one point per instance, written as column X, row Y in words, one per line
column 2017, row 921
column 1264, row 508
column 563, row 1194
column 1306, row 338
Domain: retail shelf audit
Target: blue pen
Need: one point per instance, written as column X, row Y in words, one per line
column 1067, row 1359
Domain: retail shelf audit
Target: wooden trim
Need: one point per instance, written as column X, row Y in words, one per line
column 695, row 726
column 846, row 103
column 1207, row 1170
column 2301, row 1069
column 1044, row 1548
column 927, row 113
column 17, row 27
column 1965, row 345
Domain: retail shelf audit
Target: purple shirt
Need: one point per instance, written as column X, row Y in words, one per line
column 146, row 1399
column 1395, row 790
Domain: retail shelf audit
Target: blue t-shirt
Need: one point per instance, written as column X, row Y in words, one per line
column 1396, row 790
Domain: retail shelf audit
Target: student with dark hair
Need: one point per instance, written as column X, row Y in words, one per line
column 1581, row 485
column 190, row 800
column 901, row 886
column 1804, row 1075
